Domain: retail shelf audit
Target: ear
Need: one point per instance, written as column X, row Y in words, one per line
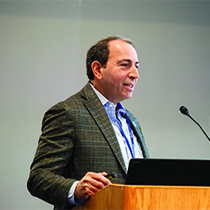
column 96, row 68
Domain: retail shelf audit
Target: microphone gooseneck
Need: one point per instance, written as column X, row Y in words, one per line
column 185, row 111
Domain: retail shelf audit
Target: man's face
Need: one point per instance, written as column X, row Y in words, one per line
column 120, row 75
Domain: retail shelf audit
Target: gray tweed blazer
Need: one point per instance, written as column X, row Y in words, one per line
column 77, row 137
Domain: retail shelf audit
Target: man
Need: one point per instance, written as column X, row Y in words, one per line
column 90, row 133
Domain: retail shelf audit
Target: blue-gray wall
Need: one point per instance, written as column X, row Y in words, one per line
column 43, row 46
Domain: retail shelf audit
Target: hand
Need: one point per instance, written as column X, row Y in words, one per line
column 90, row 184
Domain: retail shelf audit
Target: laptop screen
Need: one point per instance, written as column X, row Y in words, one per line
column 168, row 172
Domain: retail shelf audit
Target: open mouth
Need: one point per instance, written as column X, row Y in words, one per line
column 129, row 85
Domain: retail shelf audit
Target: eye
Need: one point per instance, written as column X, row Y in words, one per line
column 137, row 65
column 125, row 64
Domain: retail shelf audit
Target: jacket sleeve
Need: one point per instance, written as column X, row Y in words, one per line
column 47, row 179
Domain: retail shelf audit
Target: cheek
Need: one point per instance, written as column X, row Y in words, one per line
column 114, row 78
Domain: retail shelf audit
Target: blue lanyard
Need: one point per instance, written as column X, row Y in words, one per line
column 132, row 151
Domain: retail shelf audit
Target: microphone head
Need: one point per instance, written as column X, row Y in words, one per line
column 184, row 110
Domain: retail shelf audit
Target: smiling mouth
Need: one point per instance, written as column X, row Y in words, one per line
column 129, row 85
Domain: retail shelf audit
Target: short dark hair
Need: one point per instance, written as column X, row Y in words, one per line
column 100, row 52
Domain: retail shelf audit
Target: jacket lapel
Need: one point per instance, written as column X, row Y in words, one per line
column 101, row 118
column 138, row 133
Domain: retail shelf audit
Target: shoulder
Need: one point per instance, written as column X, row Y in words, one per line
column 73, row 106
column 75, row 101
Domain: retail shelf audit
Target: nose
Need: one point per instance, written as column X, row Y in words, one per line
column 134, row 72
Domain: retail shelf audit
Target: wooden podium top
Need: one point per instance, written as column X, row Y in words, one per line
column 140, row 197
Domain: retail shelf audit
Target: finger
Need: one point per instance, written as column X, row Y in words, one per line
column 104, row 179
column 96, row 182
column 90, row 184
column 100, row 178
column 84, row 190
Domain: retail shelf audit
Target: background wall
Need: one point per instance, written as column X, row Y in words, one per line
column 42, row 61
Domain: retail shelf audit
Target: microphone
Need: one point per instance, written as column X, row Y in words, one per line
column 185, row 111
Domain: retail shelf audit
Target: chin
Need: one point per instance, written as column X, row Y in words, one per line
column 127, row 97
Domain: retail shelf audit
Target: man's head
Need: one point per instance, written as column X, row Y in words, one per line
column 100, row 52
column 112, row 67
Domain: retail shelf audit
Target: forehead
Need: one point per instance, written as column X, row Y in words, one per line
column 119, row 48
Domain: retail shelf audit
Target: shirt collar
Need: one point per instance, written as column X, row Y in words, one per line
column 104, row 100
column 100, row 96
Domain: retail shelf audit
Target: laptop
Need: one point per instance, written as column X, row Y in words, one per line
column 176, row 172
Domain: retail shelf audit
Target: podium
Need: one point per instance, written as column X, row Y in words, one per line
column 148, row 197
